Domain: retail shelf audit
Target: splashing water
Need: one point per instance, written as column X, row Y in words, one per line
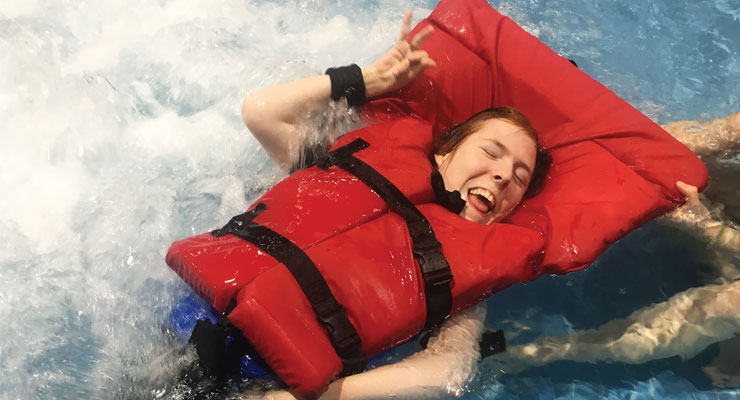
column 122, row 133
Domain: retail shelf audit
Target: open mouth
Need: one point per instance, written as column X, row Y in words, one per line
column 482, row 199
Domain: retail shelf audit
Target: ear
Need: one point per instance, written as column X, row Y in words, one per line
column 439, row 159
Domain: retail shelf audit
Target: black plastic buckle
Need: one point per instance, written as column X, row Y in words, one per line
column 438, row 279
column 434, row 266
column 341, row 332
column 240, row 222
column 345, row 340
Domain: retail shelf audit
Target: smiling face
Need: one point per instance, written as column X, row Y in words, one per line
column 491, row 168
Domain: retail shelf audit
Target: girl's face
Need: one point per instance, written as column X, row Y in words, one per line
column 491, row 168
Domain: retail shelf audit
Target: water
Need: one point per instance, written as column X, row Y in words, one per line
column 121, row 133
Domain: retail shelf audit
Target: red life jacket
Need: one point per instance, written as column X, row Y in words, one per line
column 363, row 251
column 613, row 170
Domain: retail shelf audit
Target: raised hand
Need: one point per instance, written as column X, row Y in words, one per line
column 401, row 64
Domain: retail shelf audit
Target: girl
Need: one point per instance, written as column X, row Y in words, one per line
column 493, row 160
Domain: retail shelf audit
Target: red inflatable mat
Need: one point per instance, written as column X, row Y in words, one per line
column 613, row 168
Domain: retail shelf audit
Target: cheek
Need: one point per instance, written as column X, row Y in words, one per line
column 474, row 165
column 514, row 197
column 455, row 171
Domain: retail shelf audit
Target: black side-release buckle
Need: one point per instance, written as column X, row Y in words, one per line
column 437, row 272
column 240, row 222
column 437, row 276
column 344, row 339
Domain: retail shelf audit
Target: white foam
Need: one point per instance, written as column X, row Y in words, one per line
column 14, row 9
column 121, row 132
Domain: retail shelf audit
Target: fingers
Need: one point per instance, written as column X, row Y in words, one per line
column 405, row 26
column 405, row 61
column 420, row 37
column 691, row 193
column 413, row 65
column 421, row 57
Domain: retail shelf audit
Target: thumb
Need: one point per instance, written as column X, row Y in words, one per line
column 691, row 193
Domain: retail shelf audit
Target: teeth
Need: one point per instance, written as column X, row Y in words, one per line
column 485, row 193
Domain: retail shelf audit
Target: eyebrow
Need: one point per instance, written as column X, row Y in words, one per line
column 520, row 164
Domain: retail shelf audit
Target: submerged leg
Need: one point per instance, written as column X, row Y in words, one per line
column 682, row 326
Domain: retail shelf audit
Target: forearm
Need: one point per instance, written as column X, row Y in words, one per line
column 441, row 370
column 410, row 379
column 273, row 114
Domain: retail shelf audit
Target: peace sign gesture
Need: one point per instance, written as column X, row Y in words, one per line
column 401, row 64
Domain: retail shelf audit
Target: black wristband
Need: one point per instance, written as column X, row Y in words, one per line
column 347, row 82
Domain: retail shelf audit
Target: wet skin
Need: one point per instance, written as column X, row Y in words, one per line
column 497, row 160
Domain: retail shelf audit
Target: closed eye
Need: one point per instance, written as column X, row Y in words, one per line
column 519, row 179
column 490, row 153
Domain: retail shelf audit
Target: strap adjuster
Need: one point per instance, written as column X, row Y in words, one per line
column 437, row 273
column 240, row 222
column 344, row 339
column 337, row 325
column 438, row 279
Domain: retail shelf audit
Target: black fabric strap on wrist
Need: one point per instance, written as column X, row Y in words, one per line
column 492, row 342
column 347, row 82
column 434, row 267
column 342, row 334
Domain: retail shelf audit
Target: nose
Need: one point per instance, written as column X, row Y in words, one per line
column 501, row 177
column 501, row 171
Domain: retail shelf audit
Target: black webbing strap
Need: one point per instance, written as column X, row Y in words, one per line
column 434, row 267
column 212, row 347
column 331, row 314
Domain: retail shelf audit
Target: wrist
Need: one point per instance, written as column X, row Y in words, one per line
column 375, row 84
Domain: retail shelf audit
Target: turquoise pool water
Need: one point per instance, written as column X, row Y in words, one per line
column 121, row 133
